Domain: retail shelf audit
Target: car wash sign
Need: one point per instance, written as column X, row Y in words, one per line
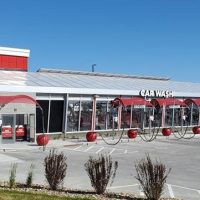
column 156, row 93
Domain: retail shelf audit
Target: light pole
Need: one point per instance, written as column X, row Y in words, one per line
column 93, row 65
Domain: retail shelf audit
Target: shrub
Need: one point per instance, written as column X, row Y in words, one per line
column 100, row 172
column 12, row 178
column 152, row 177
column 29, row 179
column 55, row 168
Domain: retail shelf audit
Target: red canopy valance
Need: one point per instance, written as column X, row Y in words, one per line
column 130, row 101
column 17, row 99
column 194, row 101
column 167, row 102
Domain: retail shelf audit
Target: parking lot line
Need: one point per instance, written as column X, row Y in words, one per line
column 171, row 194
column 77, row 148
column 88, row 148
column 186, row 188
column 122, row 186
column 112, row 151
column 99, row 150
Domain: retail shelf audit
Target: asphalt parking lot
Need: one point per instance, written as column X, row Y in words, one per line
column 182, row 156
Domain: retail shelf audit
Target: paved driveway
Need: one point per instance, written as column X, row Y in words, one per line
column 181, row 155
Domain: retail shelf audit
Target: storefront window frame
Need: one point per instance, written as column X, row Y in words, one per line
column 80, row 113
column 105, row 115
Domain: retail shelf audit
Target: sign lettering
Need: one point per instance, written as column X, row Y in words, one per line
column 156, row 93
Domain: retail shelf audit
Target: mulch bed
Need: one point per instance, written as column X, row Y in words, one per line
column 66, row 192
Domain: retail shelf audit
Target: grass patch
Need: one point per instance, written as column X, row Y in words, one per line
column 16, row 195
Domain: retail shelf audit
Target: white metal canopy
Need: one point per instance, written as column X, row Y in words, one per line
column 50, row 81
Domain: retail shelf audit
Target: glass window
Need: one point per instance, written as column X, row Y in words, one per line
column 148, row 112
column 195, row 116
column 141, row 117
column 20, row 119
column 73, row 116
column 157, row 113
column 45, row 106
column 8, row 120
column 56, row 116
column 191, row 114
column 86, row 115
column 126, row 117
column 112, row 116
column 169, row 117
column 137, row 117
column 101, row 110
column 187, row 116
column 177, row 117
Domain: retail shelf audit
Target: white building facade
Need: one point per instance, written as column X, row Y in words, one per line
column 74, row 101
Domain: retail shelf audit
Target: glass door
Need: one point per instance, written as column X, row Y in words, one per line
column 8, row 128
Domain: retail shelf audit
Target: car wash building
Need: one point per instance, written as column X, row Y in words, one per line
column 76, row 101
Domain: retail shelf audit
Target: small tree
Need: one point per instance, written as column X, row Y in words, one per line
column 152, row 177
column 12, row 178
column 55, row 168
column 29, row 179
column 100, row 172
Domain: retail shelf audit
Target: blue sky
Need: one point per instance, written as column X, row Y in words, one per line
column 139, row 37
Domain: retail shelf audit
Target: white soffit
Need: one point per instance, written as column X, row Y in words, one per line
column 14, row 52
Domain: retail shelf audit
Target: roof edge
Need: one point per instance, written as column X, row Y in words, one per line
column 63, row 71
column 14, row 52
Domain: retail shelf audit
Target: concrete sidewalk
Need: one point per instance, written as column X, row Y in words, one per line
column 60, row 143
column 33, row 145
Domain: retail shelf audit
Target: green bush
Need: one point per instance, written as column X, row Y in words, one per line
column 12, row 178
column 29, row 179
